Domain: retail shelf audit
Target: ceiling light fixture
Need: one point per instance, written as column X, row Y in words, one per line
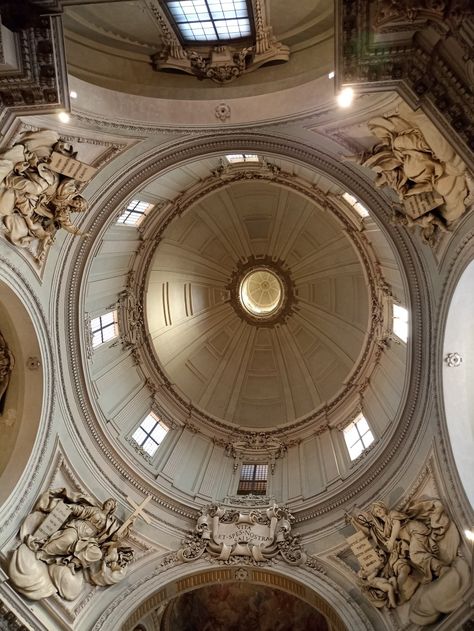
column 345, row 97
column 64, row 117
column 73, row 94
column 331, row 75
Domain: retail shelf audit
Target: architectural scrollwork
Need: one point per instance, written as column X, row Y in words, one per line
column 222, row 63
column 67, row 540
column 432, row 183
column 131, row 318
column 253, row 443
column 39, row 189
column 410, row 556
column 244, row 535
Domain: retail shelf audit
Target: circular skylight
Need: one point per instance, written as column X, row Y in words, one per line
column 261, row 292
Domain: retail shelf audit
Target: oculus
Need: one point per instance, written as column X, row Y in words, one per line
column 262, row 291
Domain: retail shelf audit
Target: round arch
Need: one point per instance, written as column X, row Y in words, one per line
column 22, row 382
column 160, row 587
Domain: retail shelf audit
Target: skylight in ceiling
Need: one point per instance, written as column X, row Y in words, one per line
column 234, row 158
column 211, row 20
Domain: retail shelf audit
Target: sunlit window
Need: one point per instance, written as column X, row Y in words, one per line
column 400, row 322
column 210, row 20
column 358, row 437
column 253, row 479
column 233, row 158
column 150, row 434
column 356, row 205
column 104, row 328
column 134, row 212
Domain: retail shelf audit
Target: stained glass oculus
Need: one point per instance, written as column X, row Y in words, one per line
column 211, row 20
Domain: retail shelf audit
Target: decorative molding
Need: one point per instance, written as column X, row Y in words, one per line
column 8, row 619
column 224, row 175
column 453, row 360
column 220, row 63
column 126, row 183
column 412, row 48
column 249, row 536
column 288, row 304
column 222, row 112
column 39, row 85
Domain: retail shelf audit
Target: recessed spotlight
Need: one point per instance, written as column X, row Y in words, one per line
column 64, row 117
column 345, row 96
column 73, row 94
column 331, row 75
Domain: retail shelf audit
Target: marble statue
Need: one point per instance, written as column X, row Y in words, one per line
column 67, row 540
column 432, row 183
column 7, row 362
column 36, row 196
column 410, row 556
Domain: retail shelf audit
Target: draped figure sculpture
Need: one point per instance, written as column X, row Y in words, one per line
column 418, row 559
column 69, row 539
column 36, row 198
column 431, row 182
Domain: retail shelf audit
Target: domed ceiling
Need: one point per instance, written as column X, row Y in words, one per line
column 252, row 369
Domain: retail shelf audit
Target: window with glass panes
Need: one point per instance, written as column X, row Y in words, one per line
column 358, row 437
column 150, row 434
column 400, row 322
column 210, row 20
column 233, row 158
column 134, row 212
column 253, row 479
column 104, row 328
column 356, row 205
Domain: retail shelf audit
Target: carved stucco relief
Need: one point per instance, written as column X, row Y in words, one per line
column 410, row 556
column 431, row 181
column 39, row 189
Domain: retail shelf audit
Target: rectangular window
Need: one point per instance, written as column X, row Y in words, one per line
column 104, row 328
column 400, row 322
column 150, row 434
column 134, row 212
column 234, row 158
column 253, row 479
column 358, row 437
column 210, row 20
column 356, row 205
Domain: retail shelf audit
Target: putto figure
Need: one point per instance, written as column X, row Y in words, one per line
column 37, row 196
column 69, row 539
column 410, row 555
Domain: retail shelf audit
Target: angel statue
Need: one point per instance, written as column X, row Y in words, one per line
column 416, row 559
column 69, row 539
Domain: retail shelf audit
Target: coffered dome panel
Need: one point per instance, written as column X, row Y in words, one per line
column 267, row 372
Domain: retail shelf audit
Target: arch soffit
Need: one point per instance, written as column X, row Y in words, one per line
column 151, row 591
